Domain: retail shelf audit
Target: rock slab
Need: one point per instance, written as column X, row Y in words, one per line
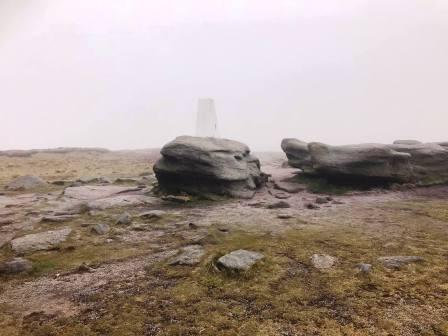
column 240, row 260
column 26, row 182
column 40, row 241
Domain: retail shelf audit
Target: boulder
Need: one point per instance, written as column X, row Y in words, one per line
column 26, row 182
column 374, row 161
column 124, row 219
column 208, row 166
column 429, row 162
column 240, row 260
column 297, row 153
column 40, row 241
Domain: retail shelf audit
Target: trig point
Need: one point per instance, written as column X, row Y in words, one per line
column 207, row 121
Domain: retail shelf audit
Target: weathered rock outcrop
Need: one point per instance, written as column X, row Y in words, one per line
column 403, row 161
column 297, row 153
column 367, row 160
column 207, row 166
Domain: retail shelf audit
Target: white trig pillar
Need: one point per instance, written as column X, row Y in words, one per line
column 207, row 121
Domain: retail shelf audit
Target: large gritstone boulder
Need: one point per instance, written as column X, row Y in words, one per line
column 208, row 166
column 403, row 161
column 375, row 161
column 429, row 162
column 297, row 153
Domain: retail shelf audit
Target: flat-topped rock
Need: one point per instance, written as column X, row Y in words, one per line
column 240, row 260
column 202, row 166
column 397, row 262
column 40, row 241
column 26, row 182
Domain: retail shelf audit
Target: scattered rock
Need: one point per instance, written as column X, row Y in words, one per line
column 397, row 262
column 84, row 268
column 240, row 260
column 26, row 182
column 364, row 268
column 176, row 199
column 124, row 219
column 189, row 255
column 16, row 265
column 337, row 202
column 192, row 226
column 40, row 241
column 279, row 205
column 100, row 229
column 321, row 200
column 153, row 214
column 58, row 219
column 280, row 194
column 199, row 166
column 289, row 187
column 312, row 206
column 323, row 261
column 285, row 216
column 62, row 182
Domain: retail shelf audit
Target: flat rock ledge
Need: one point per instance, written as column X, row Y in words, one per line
column 207, row 167
column 239, row 260
column 40, row 241
column 397, row 262
column 404, row 161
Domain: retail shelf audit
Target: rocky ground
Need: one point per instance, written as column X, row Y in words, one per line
column 90, row 249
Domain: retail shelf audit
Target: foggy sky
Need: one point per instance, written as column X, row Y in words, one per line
column 128, row 74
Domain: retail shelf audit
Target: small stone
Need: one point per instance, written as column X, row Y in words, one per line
column 337, row 202
column 58, row 219
column 364, row 268
column 323, row 261
column 16, row 265
column 279, row 205
column 289, row 187
column 100, row 229
column 321, row 200
column 397, row 262
column 280, row 194
column 312, row 206
column 84, row 268
column 240, row 260
column 190, row 255
column 285, row 216
column 153, row 214
column 124, row 219
column 192, row 226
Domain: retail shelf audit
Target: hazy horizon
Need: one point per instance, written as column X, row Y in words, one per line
column 124, row 75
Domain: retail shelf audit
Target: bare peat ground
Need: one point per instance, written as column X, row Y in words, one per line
column 121, row 282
